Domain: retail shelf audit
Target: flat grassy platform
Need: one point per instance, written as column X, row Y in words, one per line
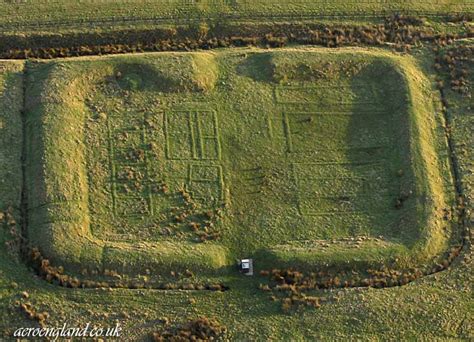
column 300, row 157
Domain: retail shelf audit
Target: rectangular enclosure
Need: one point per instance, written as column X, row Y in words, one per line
column 201, row 165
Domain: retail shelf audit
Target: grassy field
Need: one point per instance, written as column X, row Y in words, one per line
column 142, row 177
column 11, row 97
column 87, row 15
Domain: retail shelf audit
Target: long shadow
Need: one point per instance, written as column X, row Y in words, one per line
column 378, row 152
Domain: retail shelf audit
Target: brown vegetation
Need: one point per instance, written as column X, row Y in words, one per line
column 15, row 239
column 201, row 329
column 28, row 309
column 402, row 31
column 293, row 284
column 56, row 275
column 457, row 63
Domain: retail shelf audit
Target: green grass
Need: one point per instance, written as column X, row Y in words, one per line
column 297, row 153
column 49, row 16
column 11, row 104
column 11, row 137
column 68, row 104
column 436, row 307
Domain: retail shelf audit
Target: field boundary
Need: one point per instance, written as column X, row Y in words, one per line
column 396, row 29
